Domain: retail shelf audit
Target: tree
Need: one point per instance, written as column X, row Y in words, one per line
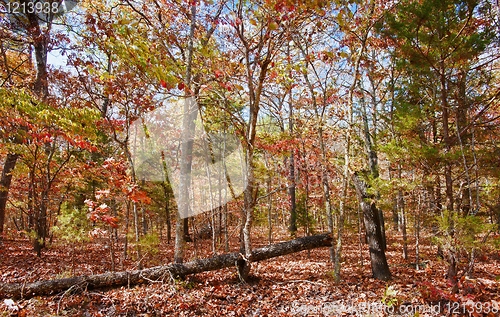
column 27, row 29
column 320, row 104
column 358, row 38
column 439, row 44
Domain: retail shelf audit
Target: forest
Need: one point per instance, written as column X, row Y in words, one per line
column 249, row 158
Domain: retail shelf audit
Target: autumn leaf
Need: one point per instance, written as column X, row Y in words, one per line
column 273, row 26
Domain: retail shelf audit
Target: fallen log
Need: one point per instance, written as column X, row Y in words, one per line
column 159, row 273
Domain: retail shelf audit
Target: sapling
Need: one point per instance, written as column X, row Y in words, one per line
column 72, row 226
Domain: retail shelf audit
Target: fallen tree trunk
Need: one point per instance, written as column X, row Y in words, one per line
column 159, row 273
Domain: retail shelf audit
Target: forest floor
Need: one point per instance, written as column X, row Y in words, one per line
column 299, row 284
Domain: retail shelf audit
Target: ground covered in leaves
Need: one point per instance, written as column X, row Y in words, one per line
column 299, row 284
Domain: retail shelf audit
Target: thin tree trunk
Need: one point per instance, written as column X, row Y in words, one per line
column 291, row 180
column 145, row 226
column 401, row 207
column 360, row 233
column 269, row 204
column 42, row 207
column 451, row 256
column 41, row 89
column 439, row 212
column 226, row 237
column 112, row 249
column 5, row 181
column 255, row 93
column 417, row 234
column 169, row 221
column 323, row 162
column 189, row 113
column 125, row 243
column 345, row 183
column 115, row 214
column 405, row 237
column 136, row 228
column 306, row 199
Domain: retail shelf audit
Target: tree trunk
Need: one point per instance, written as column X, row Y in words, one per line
column 417, row 233
column 380, row 268
column 41, row 225
column 189, row 115
column 40, row 42
column 167, row 214
column 291, row 179
column 249, row 204
column 360, row 230
column 136, row 230
column 401, row 207
column 269, row 203
column 8, row 167
column 255, row 93
column 345, row 181
column 28, row 290
column 382, row 228
column 452, row 264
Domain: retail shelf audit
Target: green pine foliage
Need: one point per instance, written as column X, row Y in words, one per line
column 463, row 233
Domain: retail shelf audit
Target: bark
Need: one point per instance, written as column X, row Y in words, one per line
column 125, row 243
column 402, row 211
column 8, row 167
column 167, row 214
column 382, row 228
column 360, row 230
column 41, row 224
column 405, row 237
column 417, row 234
column 380, row 268
column 40, row 43
column 136, row 228
column 269, row 202
column 159, row 273
column 145, row 226
column 291, row 178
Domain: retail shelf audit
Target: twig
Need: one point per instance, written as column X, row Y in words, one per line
column 297, row 281
column 173, row 281
column 272, row 192
column 150, row 280
column 105, row 296
column 67, row 291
